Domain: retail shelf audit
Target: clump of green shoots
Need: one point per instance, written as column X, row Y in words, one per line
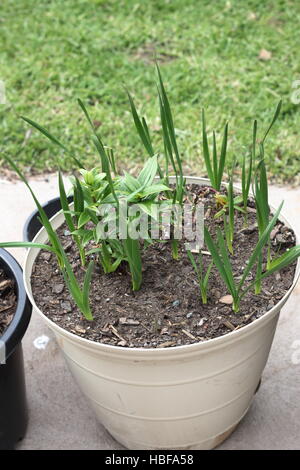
column 215, row 166
column 261, row 197
column 229, row 219
column 172, row 156
column 247, row 174
column 230, row 204
column 203, row 277
column 222, row 262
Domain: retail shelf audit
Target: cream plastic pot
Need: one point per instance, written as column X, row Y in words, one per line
column 184, row 397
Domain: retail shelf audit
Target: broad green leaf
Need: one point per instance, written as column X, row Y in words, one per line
column 154, row 189
column 149, row 171
column 131, row 183
column 84, row 218
column 88, row 236
column 149, row 208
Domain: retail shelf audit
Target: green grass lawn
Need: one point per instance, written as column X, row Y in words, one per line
column 53, row 52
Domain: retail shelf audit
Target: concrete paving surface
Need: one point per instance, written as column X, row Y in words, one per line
column 60, row 417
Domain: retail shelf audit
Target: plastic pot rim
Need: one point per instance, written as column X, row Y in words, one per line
column 14, row 333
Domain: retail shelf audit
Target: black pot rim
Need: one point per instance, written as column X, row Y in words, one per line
column 13, row 335
column 35, row 213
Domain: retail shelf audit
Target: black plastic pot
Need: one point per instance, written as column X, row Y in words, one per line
column 13, row 406
column 33, row 225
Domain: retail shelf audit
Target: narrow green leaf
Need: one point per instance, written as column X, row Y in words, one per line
column 276, row 114
column 206, row 152
column 193, row 262
column 141, row 127
column 84, row 218
column 226, row 262
column 217, row 260
column 47, row 134
column 154, row 189
column 215, row 161
column 133, row 184
column 231, row 208
column 148, row 172
column 285, row 259
column 53, row 238
column 169, row 119
column 259, row 246
column 78, row 198
column 86, row 114
column 132, row 249
column 206, row 277
column 64, row 203
column 27, row 245
column 222, row 159
column 105, row 164
column 166, row 136
column 86, row 290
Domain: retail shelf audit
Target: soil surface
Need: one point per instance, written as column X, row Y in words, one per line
column 167, row 311
column 8, row 301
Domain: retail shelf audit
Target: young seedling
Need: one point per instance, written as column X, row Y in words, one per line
column 229, row 219
column 171, row 151
column 262, row 213
column 247, row 174
column 78, row 238
column 261, row 197
column 221, row 260
column 203, row 277
column 214, row 168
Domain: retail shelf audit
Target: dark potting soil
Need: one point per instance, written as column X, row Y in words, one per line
column 8, row 301
column 167, row 310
